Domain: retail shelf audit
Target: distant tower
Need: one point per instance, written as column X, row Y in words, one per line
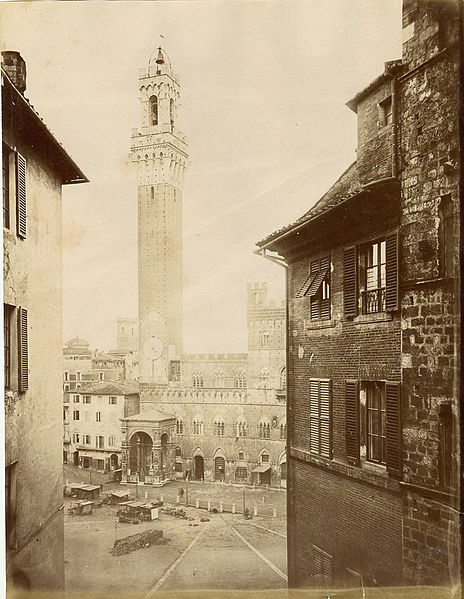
column 160, row 152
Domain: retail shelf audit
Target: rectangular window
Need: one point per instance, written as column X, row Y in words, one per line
column 111, row 441
column 445, row 429
column 100, row 442
column 87, row 439
column 76, row 415
column 6, row 152
column 98, row 416
column 174, row 370
column 320, row 433
column 240, row 473
column 10, row 505
column 101, row 376
column 265, row 458
column 385, row 112
column 113, row 401
column 21, row 196
column 373, row 298
column 178, row 466
column 317, row 288
column 76, row 438
column 76, row 399
column 7, row 344
column 86, row 399
column 376, row 423
column 322, row 568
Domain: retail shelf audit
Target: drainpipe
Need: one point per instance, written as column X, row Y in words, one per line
column 394, row 88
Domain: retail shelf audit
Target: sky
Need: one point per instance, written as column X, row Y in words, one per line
column 264, row 86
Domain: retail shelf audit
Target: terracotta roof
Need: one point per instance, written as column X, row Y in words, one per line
column 149, row 415
column 347, row 185
column 109, row 388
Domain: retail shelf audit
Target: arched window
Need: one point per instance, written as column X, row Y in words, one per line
column 283, row 378
column 265, row 339
column 171, row 112
column 240, row 428
column 179, row 426
column 240, row 380
column 198, row 380
column 198, row 426
column 283, row 430
column 264, row 429
column 219, row 427
column 153, row 110
column 219, row 378
column 263, row 378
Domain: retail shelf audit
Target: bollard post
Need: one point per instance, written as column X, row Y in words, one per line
column 255, row 510
column 161, row 499
column 233, row 508
column 274, row 513
column 220, row 507
column 197, row 503
column 178, row 499
column 209, row 505
column 146, row 494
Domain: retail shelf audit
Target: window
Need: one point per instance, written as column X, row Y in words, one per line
column 101, row 376
column 283, row 379
column 10, row 505
column 76, row 415
column 112, row 440
column 263, row 378
column 322, row 568
column 178, row 452
column 219, row 427
column 385, row 112
column 98, row 416
column 113, row 401
column 320, row 414
column 240, row 380
column 445, row 432
column 76, row 399
column 240, row 473
column 66, row 376
column 153, row 110
column 240, row 456
column 264, row 429
column 86, row 399
column 23, row 366
column 373, row 430
column 264, row 458
column 241, row 428
column 21, row 201
column 178, row 467
column 198, row 380
column 171, row 112
column 174, row 370
column 76, row 438
column 317, row 287
column 179, row 426
column 371, row 269
column 87, row 440
column 219, row 378
column 265, row 339
column 283, row 431
column 100, row 442
column 446, row 236
column 7, row 344
column 6, row 152
column 198, row 426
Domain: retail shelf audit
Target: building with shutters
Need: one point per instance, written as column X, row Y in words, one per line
column 34, row 168
column 373, row 306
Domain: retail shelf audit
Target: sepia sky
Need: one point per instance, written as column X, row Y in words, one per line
column 264, row 86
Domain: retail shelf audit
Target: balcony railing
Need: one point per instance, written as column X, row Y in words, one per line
column 373, row 301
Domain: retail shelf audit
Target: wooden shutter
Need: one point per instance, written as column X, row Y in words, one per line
column 21, row 198
column 23, row 361
column 394, row 431
column 325, row 419
column 391, row 272
column 314, row 415
column 352, row 421
column 350, row 287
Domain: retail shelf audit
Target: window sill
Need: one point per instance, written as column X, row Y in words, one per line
column 312, row 325
column 374, row 317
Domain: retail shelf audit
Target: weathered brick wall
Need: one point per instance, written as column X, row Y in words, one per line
column 345, row 519
column 374, row 154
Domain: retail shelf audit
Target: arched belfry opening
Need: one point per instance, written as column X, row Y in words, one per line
column 154, row 110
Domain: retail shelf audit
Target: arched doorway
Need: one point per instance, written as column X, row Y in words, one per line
column 219, row 468
column 113, row 461
column 140, row 454
column 76, row 458
column 198, row 467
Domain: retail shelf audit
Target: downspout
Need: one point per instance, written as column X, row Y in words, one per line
column 394, row 169
column 281, row 262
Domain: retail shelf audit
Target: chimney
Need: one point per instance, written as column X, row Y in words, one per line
column 15, row 68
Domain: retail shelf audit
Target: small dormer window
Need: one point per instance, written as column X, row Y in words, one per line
column 386, row 113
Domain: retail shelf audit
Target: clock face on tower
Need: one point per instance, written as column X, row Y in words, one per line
column 154, row 348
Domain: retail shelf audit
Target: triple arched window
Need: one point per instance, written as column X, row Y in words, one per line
column 264, row 429
column 240, row 380
column 153, row 110
column 198, row 380
column 198, row 426
column 240, row 428
column 263, row 378
column 283, row 430
column 179, row 426
column 219, row 427
column 219, row 377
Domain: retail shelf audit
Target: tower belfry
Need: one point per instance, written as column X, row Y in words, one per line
column 160, row 152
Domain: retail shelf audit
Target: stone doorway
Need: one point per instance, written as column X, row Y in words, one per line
column 219, row 468
column 198, row 467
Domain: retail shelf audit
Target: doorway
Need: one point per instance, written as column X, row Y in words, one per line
column 198, row 467
column 113, row 461
column 76, row 458
column 219, row 468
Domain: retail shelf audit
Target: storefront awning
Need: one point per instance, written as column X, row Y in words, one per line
column 263, row 468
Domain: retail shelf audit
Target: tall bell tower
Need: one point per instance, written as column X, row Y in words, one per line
column 160, row 152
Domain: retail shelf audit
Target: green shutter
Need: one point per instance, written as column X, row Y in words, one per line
column 352, row 421
column 391, row 273
column 394, row 430
column 350, row 295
